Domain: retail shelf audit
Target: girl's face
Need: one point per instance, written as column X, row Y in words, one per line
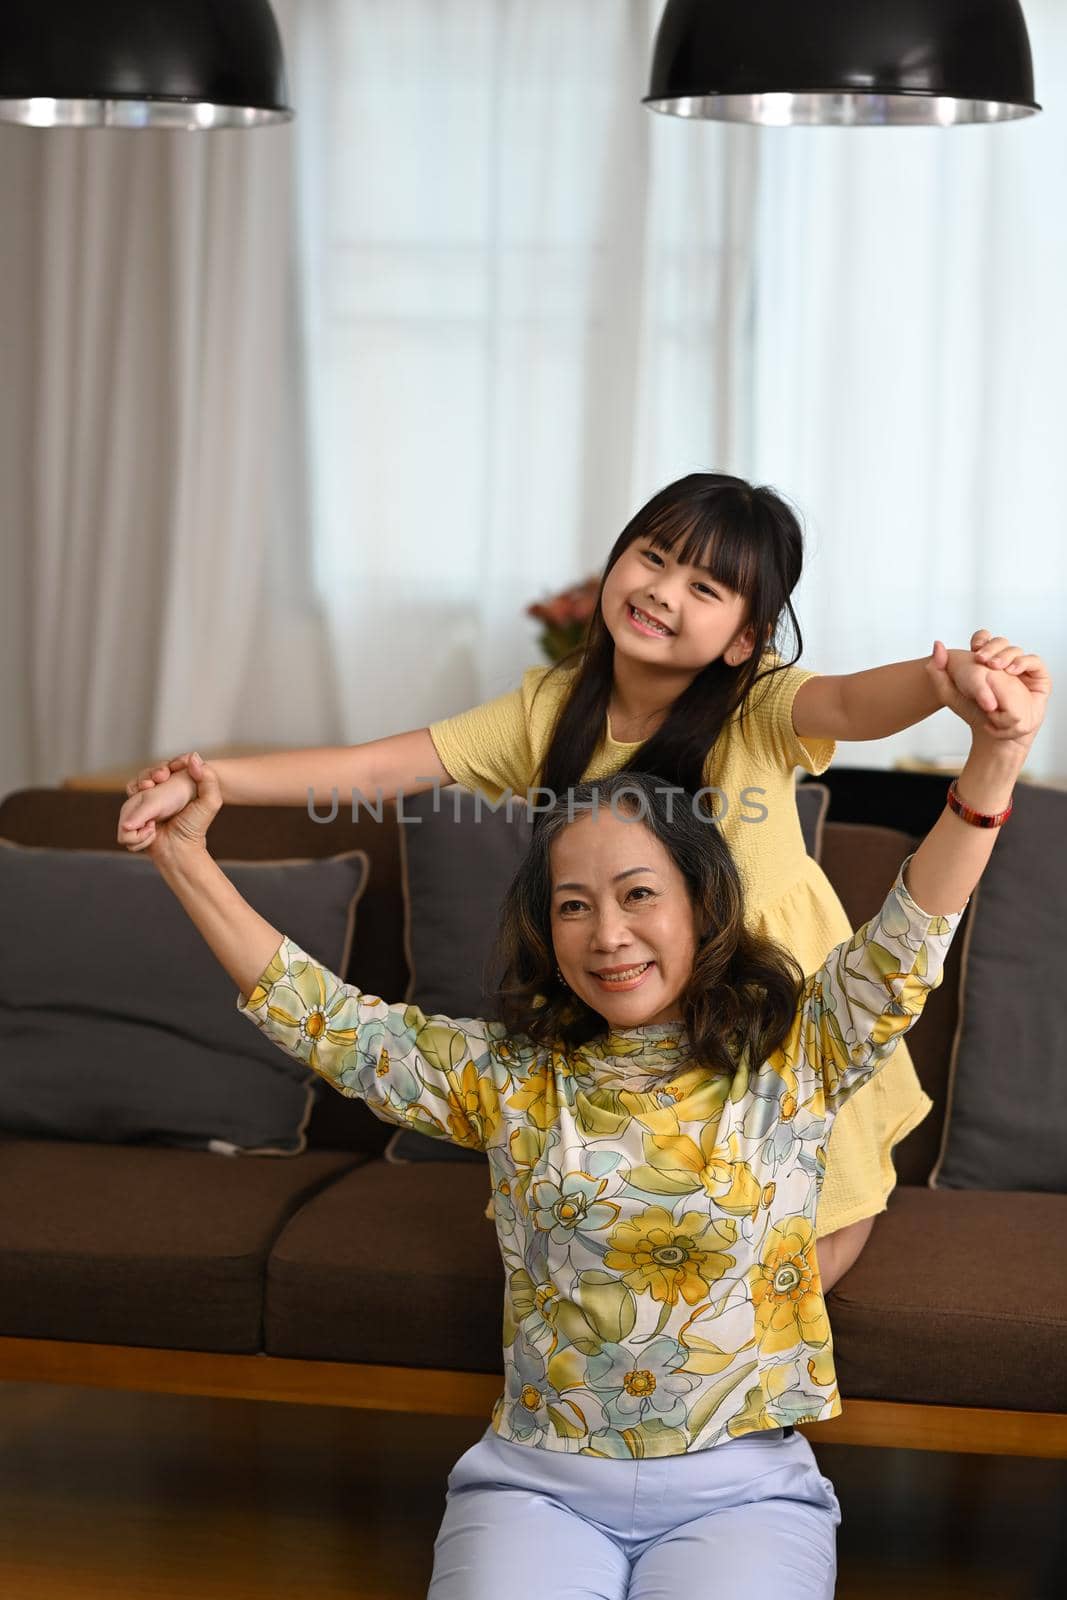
column 623, row 927
column 664, row 613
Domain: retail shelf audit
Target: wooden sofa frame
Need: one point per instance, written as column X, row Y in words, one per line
column 889, row 1424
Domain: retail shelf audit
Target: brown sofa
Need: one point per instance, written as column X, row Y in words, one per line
column 340, row 1278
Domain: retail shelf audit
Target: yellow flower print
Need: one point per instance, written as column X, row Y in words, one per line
column 823, row 1042
column 677, row 1165
column 640, row 1382
column 619, row 1047
column 786, row 1292
column 784, row 1061
column 668, row 1258
column 536, row 1096
column 527, row 1146
column 473, row 1108
column 754, row 1417
column 732, row 1185
column 302, row 1003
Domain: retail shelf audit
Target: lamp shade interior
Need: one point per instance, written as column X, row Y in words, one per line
column 845, row 62
column 141, row 63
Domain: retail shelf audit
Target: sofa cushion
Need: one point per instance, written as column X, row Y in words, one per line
column 114, row 1244
column 1006, row 1120
column 813, row 800
column 118, row 1023
column 74, row 820
column 458, row 859
column 391, row 1265
column 959, row 1298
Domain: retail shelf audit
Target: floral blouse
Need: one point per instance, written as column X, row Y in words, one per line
column 656, row 1218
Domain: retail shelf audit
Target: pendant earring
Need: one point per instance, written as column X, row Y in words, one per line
column 562, row 979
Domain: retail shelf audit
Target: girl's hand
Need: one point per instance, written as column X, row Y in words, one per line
column 146, row 807
column 149, row 776
column 998, row 654
column 188, row 829
column 1006, row 708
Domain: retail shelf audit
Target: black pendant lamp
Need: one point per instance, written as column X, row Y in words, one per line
column 141, row 64
column 848, row 62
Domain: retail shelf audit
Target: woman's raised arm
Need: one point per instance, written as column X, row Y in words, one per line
column 872, row 988
column 240, row 939
column 430, row 1073
column 951, row 859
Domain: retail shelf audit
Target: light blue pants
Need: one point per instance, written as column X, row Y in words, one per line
column 744, row 1520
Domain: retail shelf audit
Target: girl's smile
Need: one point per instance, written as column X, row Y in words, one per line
column 645, row 623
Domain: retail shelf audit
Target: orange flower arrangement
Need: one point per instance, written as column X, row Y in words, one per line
column 565, row 618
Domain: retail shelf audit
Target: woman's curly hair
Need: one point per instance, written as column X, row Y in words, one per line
column 743, row 992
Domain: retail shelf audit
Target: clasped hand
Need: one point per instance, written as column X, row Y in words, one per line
column 1001, row 691
column 186, row 824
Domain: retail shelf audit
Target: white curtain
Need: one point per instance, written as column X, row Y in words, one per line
column 908, row 361
column 527, row 308
column 150, row 497
column 284, row 462
column 141, row 331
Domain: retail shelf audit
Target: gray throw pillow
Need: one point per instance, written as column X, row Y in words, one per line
column 457, row 858
column 813, row 801
column 118, row 1025
column 1006, row 1118
column 457, row 862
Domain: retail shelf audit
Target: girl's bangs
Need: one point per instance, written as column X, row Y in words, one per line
column 708, row 538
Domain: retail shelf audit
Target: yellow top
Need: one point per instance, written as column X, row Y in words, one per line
column 502, row 744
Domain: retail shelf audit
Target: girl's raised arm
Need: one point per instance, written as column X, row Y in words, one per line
column 885, row 700
column 376, row 770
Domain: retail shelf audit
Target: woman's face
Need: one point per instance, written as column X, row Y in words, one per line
column 705, row 619
column 623, row 926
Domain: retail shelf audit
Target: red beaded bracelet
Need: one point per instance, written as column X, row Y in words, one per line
column 977, row 819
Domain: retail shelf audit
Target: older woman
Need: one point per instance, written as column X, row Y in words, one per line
column 655, row 1106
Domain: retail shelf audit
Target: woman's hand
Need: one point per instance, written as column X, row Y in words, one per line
column 187, row 830
column 146, row 807
column 1003, row 706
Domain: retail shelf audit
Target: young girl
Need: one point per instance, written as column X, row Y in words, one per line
column 679, row 677
column 655, row 1106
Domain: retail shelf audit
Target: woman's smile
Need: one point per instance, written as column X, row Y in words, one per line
column 624, row 977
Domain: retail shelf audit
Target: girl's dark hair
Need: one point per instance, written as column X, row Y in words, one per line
column 751, row 540
column 744, row 990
